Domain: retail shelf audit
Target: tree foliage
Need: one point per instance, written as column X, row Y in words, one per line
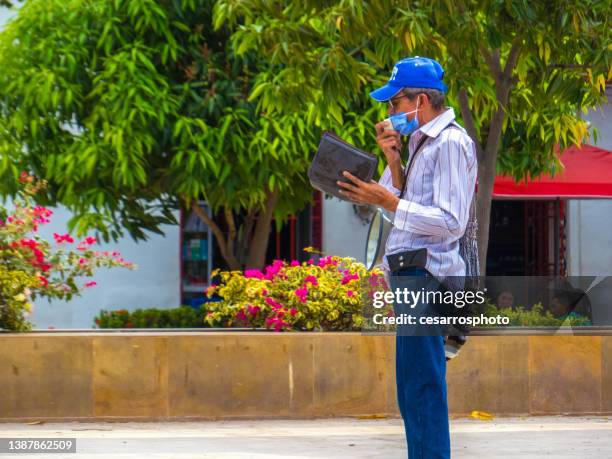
column 519, row 72
column 134, row 108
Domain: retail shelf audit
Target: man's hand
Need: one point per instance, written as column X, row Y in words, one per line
column 390, row 142
column 367, row 193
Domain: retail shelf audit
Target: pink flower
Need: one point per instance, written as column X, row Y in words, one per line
column 302, row 294
column 82, row 261
column 273, row 269
column 311, row 279
column 253, row 310
column 277, row 323
column 374, row 280
column 253, row 274
column 295, row 263
column 241, row 316
column 45, row 267
column 327, row 261
column 293, row 311
column 349, row 277
column 323, row 262
column 274, row 304
column 310, row 262
column 350, row 293
column 91, row 284
column 59, row 238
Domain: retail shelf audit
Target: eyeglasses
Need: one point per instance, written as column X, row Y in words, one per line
column 395, row 99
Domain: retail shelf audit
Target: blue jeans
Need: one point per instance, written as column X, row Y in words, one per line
column 420, row 371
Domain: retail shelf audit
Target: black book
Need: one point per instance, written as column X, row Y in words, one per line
column 335, row 156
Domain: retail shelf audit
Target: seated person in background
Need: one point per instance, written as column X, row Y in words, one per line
column 505, row 299
column 564, row 304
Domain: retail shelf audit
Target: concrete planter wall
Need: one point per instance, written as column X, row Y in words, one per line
column 160, row 375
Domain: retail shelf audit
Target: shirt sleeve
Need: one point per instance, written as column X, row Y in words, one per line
column 386, row 180
column 453, row 186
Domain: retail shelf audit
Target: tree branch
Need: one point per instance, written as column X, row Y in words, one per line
column 513, row 55
column 231, row 237
column 259, row 242
column 492, row 60
column 244, row 236
column 503, row 85
column 227, row 256
column 468, row 119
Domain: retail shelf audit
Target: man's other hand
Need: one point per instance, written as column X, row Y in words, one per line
column 390, row 142
column 362, row 192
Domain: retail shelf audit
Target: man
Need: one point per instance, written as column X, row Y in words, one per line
column 431, row 210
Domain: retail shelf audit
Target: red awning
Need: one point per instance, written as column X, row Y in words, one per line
column 587, row 174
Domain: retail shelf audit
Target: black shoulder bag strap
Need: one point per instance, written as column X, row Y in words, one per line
column 410, row 161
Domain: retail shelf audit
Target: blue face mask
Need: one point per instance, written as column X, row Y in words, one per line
column 401, row 123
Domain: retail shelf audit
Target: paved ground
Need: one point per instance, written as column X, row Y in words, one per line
column 558, row 437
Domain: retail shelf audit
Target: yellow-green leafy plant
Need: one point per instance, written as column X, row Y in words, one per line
column 328, row 294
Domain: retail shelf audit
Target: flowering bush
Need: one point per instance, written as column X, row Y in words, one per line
column 31, row 267
column 327, row 295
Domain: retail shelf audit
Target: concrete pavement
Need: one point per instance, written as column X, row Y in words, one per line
column 534, row 437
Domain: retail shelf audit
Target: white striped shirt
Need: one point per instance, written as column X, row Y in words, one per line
column 435, row 208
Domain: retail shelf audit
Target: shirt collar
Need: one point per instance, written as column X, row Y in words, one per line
column 435, row 126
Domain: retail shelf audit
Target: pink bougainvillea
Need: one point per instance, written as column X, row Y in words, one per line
column 37, row 267
column 326, row 294
column 302, row 294
column 253, row 274
column 349, row 277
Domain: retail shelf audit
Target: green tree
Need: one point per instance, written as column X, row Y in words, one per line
column 519, row 72
column 132, row 109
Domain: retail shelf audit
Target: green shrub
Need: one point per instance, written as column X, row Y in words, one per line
column 536, row 316
column 181, row 317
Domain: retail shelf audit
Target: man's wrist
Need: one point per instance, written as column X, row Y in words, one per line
column 391, row 203
column 395, row 164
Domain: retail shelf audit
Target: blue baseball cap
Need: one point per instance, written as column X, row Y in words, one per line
column 412, row 72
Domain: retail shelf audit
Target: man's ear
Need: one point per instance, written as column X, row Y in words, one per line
column 424, row 102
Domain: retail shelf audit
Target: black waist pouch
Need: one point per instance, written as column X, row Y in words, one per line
column 407, row 259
